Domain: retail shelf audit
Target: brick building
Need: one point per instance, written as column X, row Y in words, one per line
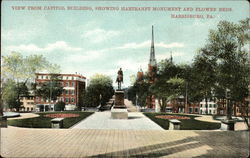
column 73, row 87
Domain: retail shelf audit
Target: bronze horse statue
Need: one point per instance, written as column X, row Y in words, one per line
column 119, row 78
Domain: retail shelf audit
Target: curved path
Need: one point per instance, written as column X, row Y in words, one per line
column 207, row 118
column 24, row 116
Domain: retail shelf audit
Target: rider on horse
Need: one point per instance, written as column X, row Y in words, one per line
column 119, row 78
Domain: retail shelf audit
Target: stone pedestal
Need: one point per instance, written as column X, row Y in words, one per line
column 119, row 99
column 227, row 125
column 3, row 122
column 57, row 123
column 119, row 110
column 174, row 124
column 119, row 113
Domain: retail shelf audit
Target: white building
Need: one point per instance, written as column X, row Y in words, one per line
column 210, row 109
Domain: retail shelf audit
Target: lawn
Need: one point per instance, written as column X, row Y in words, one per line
column 44, row 122
column 188, row 124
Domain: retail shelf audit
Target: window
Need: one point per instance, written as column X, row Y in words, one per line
column 72, row 100
column 31, row 109
column 210, row 105
column 67, row 84
column 72, row 78
column 73, row 84
column 28, row 109
column 196, row 109
column 70, row 92
column 209, row 111
column 47, row 77
column 73, row 92
column 67, row 77
column 190, row 110
column 66, row 100
column 66, row 92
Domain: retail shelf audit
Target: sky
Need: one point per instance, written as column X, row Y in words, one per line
column 90, row 42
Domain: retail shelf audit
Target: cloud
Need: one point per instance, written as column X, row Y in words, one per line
column 167, row 55
column 99, row 35
column 32, row 48
column 16, row 35
column 86, row 56
column 171, row 45
column 131, row 65
column 148, row 43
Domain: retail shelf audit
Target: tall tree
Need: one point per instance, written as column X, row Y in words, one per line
column 12, row 92
column 99, row 91
column 227, row 45
column 22, row 69
column 204, row 72
column 169, row 83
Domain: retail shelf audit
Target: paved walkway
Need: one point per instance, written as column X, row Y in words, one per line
column 23, row 142
column 102, row 120
column 207, row 118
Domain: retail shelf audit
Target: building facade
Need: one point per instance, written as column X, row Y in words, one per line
column 210, row 108
column 27, row 103
column 73, row 88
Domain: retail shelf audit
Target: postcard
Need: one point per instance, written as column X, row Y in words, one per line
column 111, row 78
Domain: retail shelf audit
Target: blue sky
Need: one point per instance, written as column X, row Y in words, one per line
column 90, row 42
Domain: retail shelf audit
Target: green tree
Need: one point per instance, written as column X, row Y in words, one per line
column 51, row 89
column 227, row 45
column 169, row 84
column 204, row 73
column 12, row 92
column 22, row 70
column 59, row 106
column 99, row 91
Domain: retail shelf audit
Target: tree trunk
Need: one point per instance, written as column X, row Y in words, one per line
column 206, row 105
column 163, row 106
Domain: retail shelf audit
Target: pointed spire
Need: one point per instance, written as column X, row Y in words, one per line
column 152, row 60
column 171, row 57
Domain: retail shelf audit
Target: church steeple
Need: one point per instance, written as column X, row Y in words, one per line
column 152, row 60
column 171, row 57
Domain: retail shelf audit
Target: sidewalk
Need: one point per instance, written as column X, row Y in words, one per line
column 21, row 142
column 103, row 120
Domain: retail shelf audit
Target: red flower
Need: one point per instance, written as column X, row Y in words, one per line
column 61, row 115
column 169, row 117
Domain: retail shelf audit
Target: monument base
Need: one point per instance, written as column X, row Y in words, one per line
column 227, row 125
column 119, row 113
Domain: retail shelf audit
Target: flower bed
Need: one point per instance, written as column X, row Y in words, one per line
column 61, row 115
column 169, row 117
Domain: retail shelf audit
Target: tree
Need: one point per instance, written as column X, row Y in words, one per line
column 169, row 84
column 204, row 68
column 227, row 45
column 12, row 92
column 59, row 106
column 51, row 89
column 21, row 70
column 99, row 91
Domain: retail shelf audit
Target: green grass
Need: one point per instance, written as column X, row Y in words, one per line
column 44, row 122
column 190, row 124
